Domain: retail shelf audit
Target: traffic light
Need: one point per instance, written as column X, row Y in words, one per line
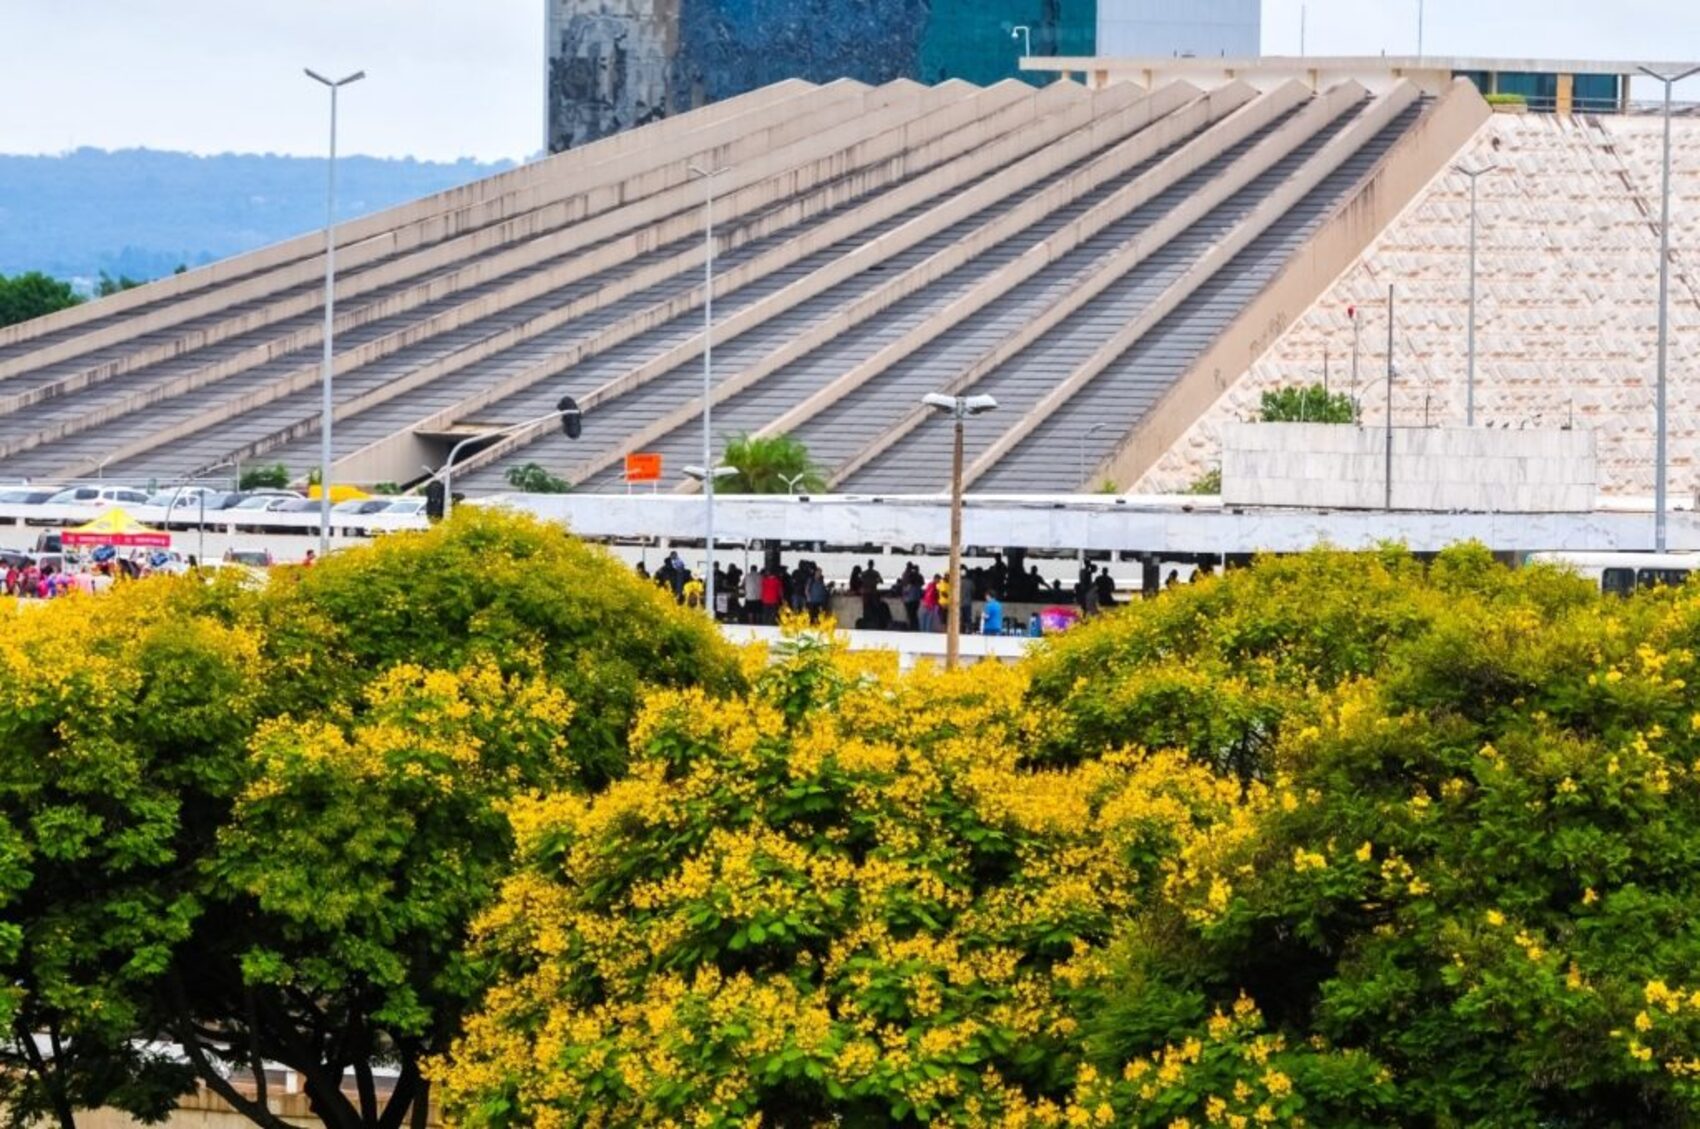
column 434, row 495
column 572, row 420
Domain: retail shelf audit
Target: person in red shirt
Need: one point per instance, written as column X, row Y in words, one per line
column 772, row 592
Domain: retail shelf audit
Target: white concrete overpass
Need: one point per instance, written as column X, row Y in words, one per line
column 1066, row 523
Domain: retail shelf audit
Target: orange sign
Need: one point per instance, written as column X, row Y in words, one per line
column 643, row 468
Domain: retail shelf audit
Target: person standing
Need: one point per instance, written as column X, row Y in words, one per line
column 817, row 594
column 772, row 593
column 752, row 596
column 911, row 593
column 875, row 615
column 930, row 605
column 991, row 620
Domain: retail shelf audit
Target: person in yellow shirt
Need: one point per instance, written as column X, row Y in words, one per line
column 693, row 593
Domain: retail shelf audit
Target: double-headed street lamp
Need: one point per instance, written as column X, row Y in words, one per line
column 1659, row 452
column 959, row 408
column 1470, row 371
column 334, row 85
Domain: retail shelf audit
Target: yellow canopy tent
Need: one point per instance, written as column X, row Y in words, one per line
column 117, row 528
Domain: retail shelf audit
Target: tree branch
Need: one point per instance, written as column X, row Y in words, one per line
column 368, row 1091
column 62, row 1110
column 404, row 1095
column 422, row 1105
column 257, row 1063
column 215, row 1080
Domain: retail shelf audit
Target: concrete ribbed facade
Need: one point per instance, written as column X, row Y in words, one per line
column 1105, row 263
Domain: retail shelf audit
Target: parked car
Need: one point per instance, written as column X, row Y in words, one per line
column 405, row 507
column 23, row 496
column 253, row 507
column 99, row 497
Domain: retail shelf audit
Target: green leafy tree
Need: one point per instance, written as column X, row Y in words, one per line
column 386, row 489
column 121, row 727
column 769, row 464
column 1210, row 482
column 258, row 824
column 1306, row 404
column 533, row 479
column 33, row 295
column 106, row 285
column 431, row 680
column 273, row 477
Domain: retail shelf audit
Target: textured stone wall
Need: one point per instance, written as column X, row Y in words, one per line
column 1567, row 259
column 1435, row 469
column 614, row 64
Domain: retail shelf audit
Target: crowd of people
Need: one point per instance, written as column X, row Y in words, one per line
column 910, row 601
column 52, row 576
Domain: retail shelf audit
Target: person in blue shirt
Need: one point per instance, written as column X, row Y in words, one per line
column 991, row 620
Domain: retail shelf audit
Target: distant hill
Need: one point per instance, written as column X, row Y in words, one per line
column 141, row 212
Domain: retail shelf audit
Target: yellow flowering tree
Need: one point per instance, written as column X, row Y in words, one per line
column 1218, row 666
column 839, row 899
column 1466, row 894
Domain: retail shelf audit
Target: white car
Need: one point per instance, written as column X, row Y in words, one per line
column 99, row 497
column 404, row 507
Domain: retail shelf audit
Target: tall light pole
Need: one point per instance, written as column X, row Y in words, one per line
column 1387, row 466
column 1470, row 370
column 333, row 85
column 1659, row 452
column 1025, row 34
column 708, row 376
column 708, row 478
column 1419, row 29
column 960, row 408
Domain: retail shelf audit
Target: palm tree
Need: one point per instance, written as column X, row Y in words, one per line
column 769, row 464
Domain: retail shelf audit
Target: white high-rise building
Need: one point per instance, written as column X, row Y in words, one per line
column 1152, row 28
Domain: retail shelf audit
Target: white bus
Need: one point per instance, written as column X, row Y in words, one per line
column 1619, row 574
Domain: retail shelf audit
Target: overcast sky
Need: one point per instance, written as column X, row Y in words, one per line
column 464, row 78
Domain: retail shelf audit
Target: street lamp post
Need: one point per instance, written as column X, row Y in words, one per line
column 1659, row 452
column 960, row 408
column 333, row 85
column 708, row 176
column 1470, row 369
column 702, row 475
column 1025, row 34
column 1387, row 457
column 791, row 480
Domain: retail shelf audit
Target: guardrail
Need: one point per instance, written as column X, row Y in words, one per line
column 189, row 516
